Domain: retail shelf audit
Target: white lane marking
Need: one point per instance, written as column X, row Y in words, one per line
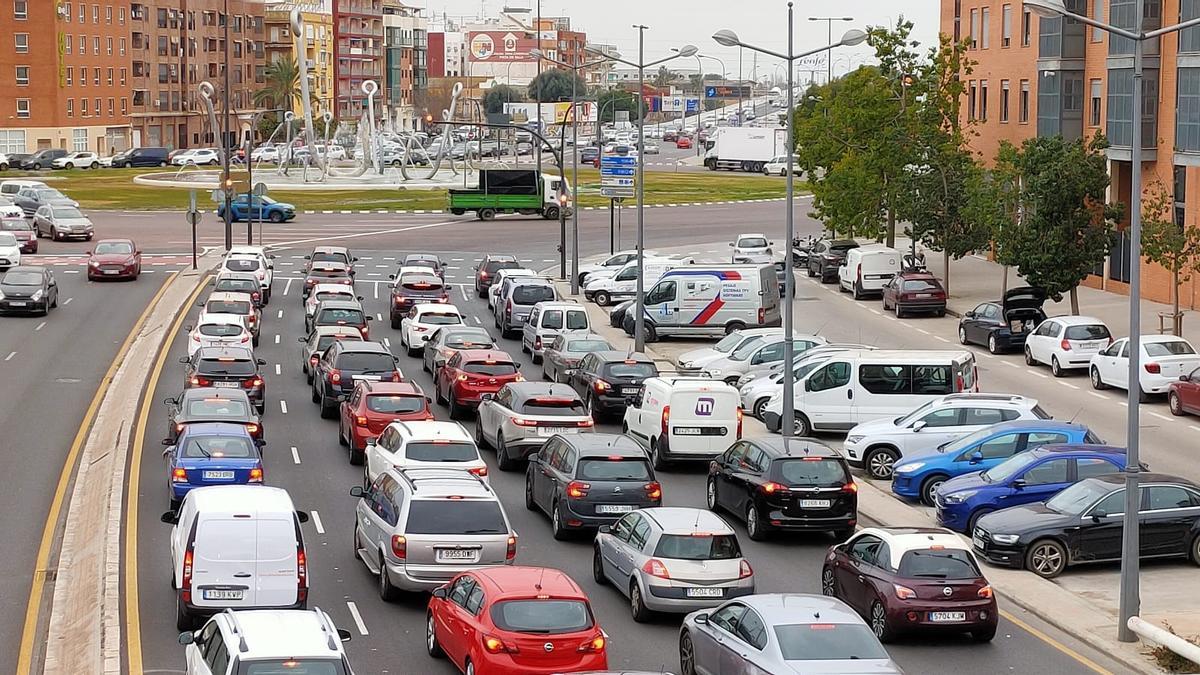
column 1193, row 427
column 1161, row 416
column 463, row 288
column 922, row 331
column 71, row 271
column 1037, row 374
column 358, row 621
column 1098, row 395
column 287, row 287
column 316, row 518
column 874, row 311
column 277, row 338
column 279, row 315
column 40, row 326
column 366, row 234
column 277, row 371
column 1010, row 364
column 477, row 320
column 10, row 355
column 67, row 301
column 387, row 343
column 376, row 291
column 295, row 455
column 283, row 406
column 1068, row 384
column 378, row 317
column 940, row 338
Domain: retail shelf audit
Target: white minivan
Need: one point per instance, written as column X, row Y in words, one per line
column 710, row 301
column 236, row 547
column 684, row 418
column 868, row 269
column 623, row 284
column 547, row 320
column 863, row 385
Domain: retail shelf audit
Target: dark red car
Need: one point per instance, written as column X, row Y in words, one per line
column 911, row 579
column 1184, row 395
column 910, row 292
column 374, row 405
column 114, row 259
column 511, row 620
column 414, row 287
column 326, row 273
column 471, row 373
column 22, row 230
column 683, row 143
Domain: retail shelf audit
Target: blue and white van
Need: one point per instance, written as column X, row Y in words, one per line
column 703, row 300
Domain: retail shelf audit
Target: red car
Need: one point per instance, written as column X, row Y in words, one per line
column 1184, row 395
column 114, row 259
column 374, row 405
column 509, row 620
column 22, row 230
column 470, row 373
column 914, row 292
column 911, row 580
column 683, row 143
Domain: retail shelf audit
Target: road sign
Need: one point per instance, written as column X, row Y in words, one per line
column 260, row 189
column 726, row 91
column 693, row 105
column 193, row 218
column 617, row 192
column 218, row 196
column 618, row 171
column 618, row 160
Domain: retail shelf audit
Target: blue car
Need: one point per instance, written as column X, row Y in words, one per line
column 918, row 477
column 211, row 454
column 262, row 208
column 1033, row 476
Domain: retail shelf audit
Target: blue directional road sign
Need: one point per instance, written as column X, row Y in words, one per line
column 618, row 160
column 710, row 92
column 693, row 105
column 617, row 171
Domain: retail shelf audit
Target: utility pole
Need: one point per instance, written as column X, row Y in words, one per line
column 227, row 183
column 829, row 41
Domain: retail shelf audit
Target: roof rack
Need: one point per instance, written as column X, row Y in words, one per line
column 236, row 627
column 445, row 474
column 331, row 634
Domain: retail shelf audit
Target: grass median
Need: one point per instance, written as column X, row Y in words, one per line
column 114, row 189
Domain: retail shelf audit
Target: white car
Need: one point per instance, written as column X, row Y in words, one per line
column 423, row 445
column 696, row 359
column 267, row 153
column 748, row 244
column 778, row 167
column 237, row 260
column 1066, row 343
column 219, row 330
column 877, row 445
column 322, row 292
column 77, row 160
column 501, row 275
column 10, row 250
column 650, row 148
column 422, row 320
column 758, row 356
column 209, row 156
column 263, row 639
column 1164, row 359
column 610, row 264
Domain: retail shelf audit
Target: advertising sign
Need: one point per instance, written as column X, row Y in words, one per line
column 680, row 104
column 500, row 46
column 552, row 113
column 726, row 91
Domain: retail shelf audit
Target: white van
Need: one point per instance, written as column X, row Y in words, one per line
column 863, row 385
column 623, row 284
column 868, row 269
column 684, row 418
column 549, row 319
column 239, row 547
column 10, row 188
column 700, row 300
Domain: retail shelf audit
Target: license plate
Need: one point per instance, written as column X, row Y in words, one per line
column 1086, row 347
column 16, row 304
column 369, row 378
column 456, row 554
column 705, row 593
column 225, row 385
column 815, row 503
column 550, row 431
column 977, row 541
column 939, row 617
column 614, row 508
column 924, row 295
column 630, row 391
column 222, row 594
column 218, row 475
column 687, row 431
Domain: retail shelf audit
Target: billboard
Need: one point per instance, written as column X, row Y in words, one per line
column 680, row 104
column 552, row 113
column 496, row 46
column 726, row 91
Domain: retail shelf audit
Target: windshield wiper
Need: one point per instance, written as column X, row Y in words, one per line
column 196, row 444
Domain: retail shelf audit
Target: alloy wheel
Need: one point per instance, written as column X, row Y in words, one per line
column 878, row 620
column 827, row 587
column 880, row 464
column 1046, row 559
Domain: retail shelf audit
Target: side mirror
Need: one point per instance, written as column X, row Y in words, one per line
column 188, row 327
column 1097, row 516
column 1183, row 378
column 919, row 425
column 605, row 529
column 170, row 401
column 701, row 619
column 369, row 318
column 343, row 635
column 301, row 340
column 976, row 457
column 1018, row 484
column 302, row 516
column 391, row 276
column 730, row 244
column 533, row 459
column 359, row 297
column 969, row 315
column 309, row 257
column 89, row 252
column 354, row 260
column 486, row 397
column 183, row 359
column 357, row 491
column 429, row 399
column 439, row 593
column 167, row 442
column 808, row 385
column 261, row 362
column 186, row 638
column 169, row 517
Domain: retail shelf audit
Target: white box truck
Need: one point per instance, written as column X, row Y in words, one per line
column 744, row 148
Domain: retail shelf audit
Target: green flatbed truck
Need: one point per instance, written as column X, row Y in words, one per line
column 524, row 191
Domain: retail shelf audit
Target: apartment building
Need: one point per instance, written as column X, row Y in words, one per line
column 64, row 68
column 1042, row 77
column 406, row 43
column 357, row 54
column 316, row 44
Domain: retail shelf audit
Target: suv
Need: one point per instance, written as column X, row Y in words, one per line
column 337, row 254
column 497, row 283
column 517, row 299
column 422, row 444
column 486, row 270
column 252, row 259
column 418, row 528
column 268, row 639
column 140, row 157
column 343, row 363
column 325, row 273
column 42, row 159
column 520, row 417
column 226, row 367
column 471, row 373
column 609, row 380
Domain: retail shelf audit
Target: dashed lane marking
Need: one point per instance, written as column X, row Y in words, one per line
column 358, row 621
column 316, row 518
column 287, row 287
column 283, row 406
column 40, row 326
column 295, row 455
column 279, row 315
column 1096, row 394
column 277, row 338
column 10, row 355
column 1160, row 416
column 1010, row 364
column 277, row 370
column 1068, row 384
column 67, row 301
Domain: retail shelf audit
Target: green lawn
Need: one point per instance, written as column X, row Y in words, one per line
column 115, row 189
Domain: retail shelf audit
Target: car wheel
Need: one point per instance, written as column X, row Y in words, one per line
column 557, row 528
column 1029, row 360
column 828, row 584
column 355, row 546
column 545, row 375
column 53, row 233
column 1176, row 405
column 1056, row 369
column 760, row 407
column 342, row 437
column 327, row 408
column 183, row 618
column 979, row 513
column 431, row 643
column 455, row 410
column 879, row 463
column 387, row 592
column 1046, row 558
column 480, row 439
column 1097, row 381
column 687, row 655
column 962, row 335
column 755, row 528
column 95, row 165
column 899, row 311
column 529, row 501
column 70, row 165
column 316, row 398
column 710, row 494
column 929, row 488
column 811, row 274
column 275, row 217
column 801, row 426
column 656, row 458
column 470, row 668
column 856, row 291
column 879, row 625
column 598, row 567
column 602, row 298
column 637, row 607
column 441, row 400
column 993, row 347
column 1195, row 549
column 503, row 461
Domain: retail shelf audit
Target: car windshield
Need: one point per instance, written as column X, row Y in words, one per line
column 490, row 368
column 226, row 366
column 493, row 265
column 46, row 195
column 292, row 666
column 8, row 239
column 698, row 546
column 210, row 447
column 441, row 451
column 241, row 264
column 1009, row 467
column 828, row 642
column 745, row 350
column 439, row 318
column 555, row 406
column 904, row 420
column 67, row 213
column 1090, row 332
column 210, row 408
column 938, row 563
column 227, row 307
column 727, row 343
column 916, row 285
column 531, row 294
column 220, row 329
column 614, row 468
column 15, row 224
column 1076, row 499
column 1173, row 348
column 473, row 339
column 819, row 472
column 542, row 616
column 752, row 242
column 389, row 404
column 22, row 279
column 455, row 516
column 631, row 369
column 353, row 317
column 585, row 346
column 366, row 361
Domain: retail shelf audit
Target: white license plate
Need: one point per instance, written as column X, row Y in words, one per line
column 924, row 295
column 705, row 593
column 112, row 271
column 687, row 431
column 939, row 617
column 1086, row 347
column 369, row 378
column 222, row 594
column 977, row 541
column 815, row 503
column 16, row 304
column 455, row 555
column 614, row 508
column 630, row 391
column 225, row 385
column 550, row 431
column 218, row 475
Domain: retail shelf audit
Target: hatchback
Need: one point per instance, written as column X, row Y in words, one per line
column 210, row 454
column 367, row 411
column 413, row 287
column 562, row 355
column 422, row 444
column 447, row 340
column 322, row 292
column 1066, row 343
column 422, row 320
column 326, row 273
column 226, row 368
column 342, row 313
column 522, row 416
column 1004, row 325
column 314, row 346
column 61, row 222
column 343, row 364
column 912, row 292
column 609, row 380
column 471, row 373
column 485, row 271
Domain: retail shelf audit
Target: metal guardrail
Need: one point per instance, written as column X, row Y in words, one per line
column 1162, row 636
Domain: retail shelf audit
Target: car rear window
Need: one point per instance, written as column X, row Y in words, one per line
column 330, row 257
column 469, row 340
column 531, row 294
column 421, row 283
column 626, row 369
column 220, row 329
column 493, row 265
column 698, row 546
column 352, row 317
column 227, row 307
column 583, row 346
column 216, row 447
column 241, row 264
column 439, row 318
column 226, row 366
column 328, row 272
column 441, row 451
column 492, row 368
column 828, row 642
column 332, row 295
column 619, row 468
column 372, row 361
column 15, row 224
column 752, row 242
column 210, row 408
column 237, row 285
column 553, row 405
column 946, row 563
column 1179, row 348
column 811, row 471
column 455, row 516
column 542, row 616
column 918, row 285
column 1091, row 332
column 324, row 341
column 389, row 404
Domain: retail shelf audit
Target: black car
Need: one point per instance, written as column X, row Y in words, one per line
column 344, row 362
column 588, row 155
column 616, row 318
column 412, row 288
column 1003, row 326
column 583, row 481
column 826, row 256
column 212, row 404
column 796, row 484
column 42, row 159
column 28, row 288
column 485, row 271
column 136, row 157
column 1083, row 524
column 607, row 381
column 226, row 368
column 14, row 159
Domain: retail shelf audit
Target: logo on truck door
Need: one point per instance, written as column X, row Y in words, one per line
column 704, row 406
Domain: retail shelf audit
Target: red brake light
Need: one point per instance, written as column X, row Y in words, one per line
column 495, row 645
column 335, row 376
column 601, row 386
column 577, row 489
column 522, row 422
column 360, row 420
column 762, row 315
column 739, row 422
column 252, row 428
column 186, row 586
column 655, row 568
column 666, row 418
column 596, row 644
column 479, row 471
column 256, row 475
column 850, row 487
column 179, row 475
column 654, row 490
column 512, row 543
column 744, row 570
column 253, row 382
column 1153, row 368
column 904, row 592
column 773, row 487
column 399, row 546
column 1066, row 345
column 301, row 573
column 985, row 592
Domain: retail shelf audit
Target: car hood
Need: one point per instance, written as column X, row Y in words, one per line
column 1025, row 519
column 112, row 257
column 879, row 426
column 61, row 201
column 282, row 205
column 13, row 291
column 967, row 481
column 700, row 357
column 73, row 222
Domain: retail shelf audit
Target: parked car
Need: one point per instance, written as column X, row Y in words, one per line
column 208, row 156
column 912, row 292
column 1003, row 326
column 521, row 416
column 778, row 167
column 42, row 159
column 371, row 407
column 826, row 256
column 139, row 157
column 77, row 160
column 1183, row 396
column 1164, row 359
column 1066, row 343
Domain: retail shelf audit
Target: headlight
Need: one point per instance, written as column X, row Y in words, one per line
column 714, row 371
column 909, row 468
column 959, row 497
column 1005, row 538
column 744, row 380
column 36, row 296
column 857, row 438
column 1, row 295
column 94, row 263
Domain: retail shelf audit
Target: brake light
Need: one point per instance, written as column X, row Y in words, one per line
column 196, row 337
column 850, row 487
column 399, row 546
column 256, row 475
column 482, row 274
column 479, row 471
column 335, row 376
column 744, row 570
column 596, row 644
column 179, row 475
column 537, row 343
column 186, row 585
column 522, row 422
column 985, row 592
column 654, row 490
column 508, row 308
column 655, row 568
column 587, row 422
column 577, row 489
column 495, row 645
column 904, row 592
column 396, row 376
column 1153, row 368
column 253, row 382
column 245, row 338
column 1066, row 345
column 252, row 429
column 301, row 573
column 512, row 544
column 601, row 386
column 198, row 381
column 360, row 420
column 739, row 422
column 771, row 487
column 666, row 418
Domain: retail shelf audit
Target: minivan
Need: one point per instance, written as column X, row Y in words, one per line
column 684, row 418
column 236, row 547
column 868, row 269
column 547, row 321
column 140, row 157
column 863, row 385
column 700, row 300
column 517, row 299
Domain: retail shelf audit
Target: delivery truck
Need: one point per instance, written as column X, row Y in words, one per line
column 744, row 148
column 524, row 191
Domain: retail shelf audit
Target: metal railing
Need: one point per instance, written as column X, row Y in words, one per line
column 1165, row 638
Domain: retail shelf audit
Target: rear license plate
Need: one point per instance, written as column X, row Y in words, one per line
column 614, row 508
column 1089, row 346
column 218, row 475
column 924, row 295
column 630, row 391
column 940, row 617
column 705, row 593
column 688, row 431
column 369, row 378
column 16, row 304
column 222, row 594
column 550, row 431
column 225, row 385
column 111, row 271
column 815, row 503
column 456, row 554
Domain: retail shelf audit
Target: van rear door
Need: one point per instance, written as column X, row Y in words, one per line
column 769, row 297
column 276, row 572
column 224, row 568
column 703, row 420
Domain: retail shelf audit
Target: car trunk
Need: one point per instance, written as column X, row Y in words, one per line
column 816, row 488
column 933, row 589
column 219, row 471
column 1022, row 308
column 556, row 415
column 626, row 377
column 540, row 625
column 1087, row 339
column 226, row 374
column 617, row 485
column 447, row 536
column 1173, row 366
column 703, row 421
column 276, row 581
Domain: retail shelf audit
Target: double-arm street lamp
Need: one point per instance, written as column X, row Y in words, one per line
column 639, row 333
column 574, row 187
column 1130, row 564
column 728, row 38
column 700, row 95
column 829, row 38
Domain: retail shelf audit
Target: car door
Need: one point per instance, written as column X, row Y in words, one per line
column 726, row 465
column 1040, row 481
column 194, row 654
column 1098, row 536
column 1189, row 392
column 1112, row 363
column 631, row 551
column 661, row 306
column 453, row 620
column 375, row 515
column 935, row 428
column 548, row 476
column 973, row 324
column 1038, row 343
column 710, row 639
column 613, row 547
column 744, row 653
column 1167, row 519
column 852, row 578
column 829, row 396
column 989, row 453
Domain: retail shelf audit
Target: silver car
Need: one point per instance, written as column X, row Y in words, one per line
column 522, row 416
column 781, row 633
column 30, row 199
column 672, row 559
column 314, row 346
column 62, row 222
column 757, row 356
column 416, row 529
column 563, row 354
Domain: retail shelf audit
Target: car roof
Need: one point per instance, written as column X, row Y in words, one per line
column 340, row 289
column 436, row 308
column 115, row 240
column 228, row 295
column 612, row 356
column 515, row 581
column 746, row 235
column 234, row 274
column 432, row 430
column 444, row 484
column 794, row 447
column 499, row 257
column 216, row 429
column 220, row 318
column 1151, row 339
column 330, row 249
column 792, row 608
column 274, row 634
column 1076, row 320
column 390, row 388
column 1145, row 478
column 901, row 540
column 916, row 274
column 530, row 389
column 349, row 331
column 363, row 346
column 225, row 352
column 1078, row 448
column 339, row 304
column 686, row 520
column 239, row 499
column 25, row 268
column 974, row 398
column 214, row 392
column 690, row 383
column 329, row 265
column 1036, row 425
column 485, row 355
column 245, row 250
column 604, row 445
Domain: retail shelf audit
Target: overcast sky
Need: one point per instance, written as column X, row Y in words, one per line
column 673, row 23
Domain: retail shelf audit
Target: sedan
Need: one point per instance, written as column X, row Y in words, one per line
column 1003, row 326
column 80, row 160
column 683, row 143
column 1184, row 395
column 62, row 222
column 564, row 353
column 1164, row 359
column 26, row 288
column 914, row 292
column 10, row 250
column 114, row 259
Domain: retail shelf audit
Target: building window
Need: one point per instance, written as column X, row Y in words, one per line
column 1098, row 15
column 974, row 36
column 21, row 41
column 1023, row 103
column 985, row 27
column 108, row 14
column 971, row 100
column 121, row 47
column 96, row 77
column 1094, row 105
column 1003, row 101
column 22, row 75
column 23, row 108
column 1187, row 120
column 12, row 141
column 83, row 107
column 112, row 107
column 95, row 13
column 1006, row 26
column 109, row 78
column 67, row 44
column 121, row 15
column 21, row 10
column 1026, row 27
column 70, row 107
column 67, row 12
column 124, row 106
column 97, row 106
column 79, row 140
column 124, row 71
column 1189, row 39
column 983, row 100
column 82, row 13
column 96, row 45
column 108, row 42
column 70, row 75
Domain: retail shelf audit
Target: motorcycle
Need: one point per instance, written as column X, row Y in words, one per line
column 800, row 248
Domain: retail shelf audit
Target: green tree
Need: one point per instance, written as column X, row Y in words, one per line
column 608, row 102
column 998, row 204
column 664, row 77
column 497, row 96
column 282, row 86
column 555, row 85
column 1175, row 247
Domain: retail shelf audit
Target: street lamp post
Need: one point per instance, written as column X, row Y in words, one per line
column 1130, row 600
column 700, row 95
column 728, row 38
column 639, row 333
column 226, row 183
column 829, row 38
